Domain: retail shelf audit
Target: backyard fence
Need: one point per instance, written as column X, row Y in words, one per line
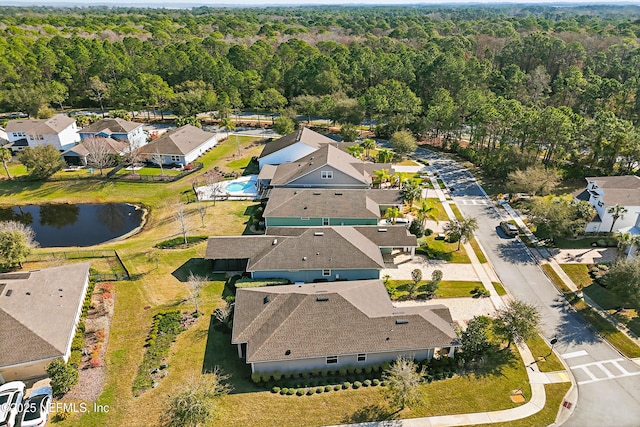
column 113, row 260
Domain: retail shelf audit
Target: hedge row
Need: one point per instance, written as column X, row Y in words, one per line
column 266, row 377
column 308, row 391
column 258, row 283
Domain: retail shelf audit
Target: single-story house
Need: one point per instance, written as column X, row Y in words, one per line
column 79, row 154
column 180, row 146
column 606, row 192
column 327, row 167
column 39, row 313
column 306, row 254
column 59, row 131
column 289, row 207
column 116, row 128
column 299, row 328
column 292, row 147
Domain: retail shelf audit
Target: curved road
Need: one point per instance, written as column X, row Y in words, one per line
column 608, row 383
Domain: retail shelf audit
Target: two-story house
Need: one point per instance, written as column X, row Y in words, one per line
column 291, row 147
column 60, row 131
column 118, row 129
column 179, row 146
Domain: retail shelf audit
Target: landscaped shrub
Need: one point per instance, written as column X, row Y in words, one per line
column 256, row 377
column 366, row 383
column 277, row 376
column 368, row 369
column 310, row 391
column 300, row 392
column 275, row 389
column 449, row 374
column 266, row 378
column 357, row 385
column 319, row 390
column 284, row 391
column 385, row 366
column 337, row 387
column 346, row 385
column 258, row 283
column 375, row 382
column 290, row 392
column 324, row 372
column 357, row 371
column 343, row 372
column 328, row 388
column 179, row 241
column 315, row 372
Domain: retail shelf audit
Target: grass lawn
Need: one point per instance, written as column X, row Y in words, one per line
column 447, row 288
column 583, row 243
column 441, row 249
column 499, row 288
column 476, row 249
column 406, row 162
column 438, row 210
column 616, row 338
column 150, row 171
column 539, row 347
column 456, row 212
column 579, row 273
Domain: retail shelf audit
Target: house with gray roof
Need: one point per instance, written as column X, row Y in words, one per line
column 298, row 328
column 180, row 146
column 301, row 254
column 79, row 154
column 292, row 147
column 118, row 129
column 289, row 207
column 606, row 192
column 59, row 131
column 39, row 313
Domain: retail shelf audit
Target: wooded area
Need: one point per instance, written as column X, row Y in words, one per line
column 525, row 84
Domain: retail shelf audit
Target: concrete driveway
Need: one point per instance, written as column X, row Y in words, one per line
column 584, row 256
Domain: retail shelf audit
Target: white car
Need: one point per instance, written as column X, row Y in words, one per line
column 403, row 221
column 11, row 395
column 36, row 408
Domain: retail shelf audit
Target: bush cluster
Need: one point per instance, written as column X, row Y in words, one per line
column 179, row 241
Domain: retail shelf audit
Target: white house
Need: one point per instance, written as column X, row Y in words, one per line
column 180, row 146
column 292, row 147
column 118, row 129
column 39, row 313
column 606, row 192
column 59, row 131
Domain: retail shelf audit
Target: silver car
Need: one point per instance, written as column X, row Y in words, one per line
column 36, row 408
column 11, row 395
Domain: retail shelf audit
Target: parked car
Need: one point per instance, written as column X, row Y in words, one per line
column 11, row 395
column 36, row 408
column 509, row 228
column 403, row 221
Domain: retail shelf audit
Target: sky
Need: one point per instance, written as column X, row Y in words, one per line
column 262, row 3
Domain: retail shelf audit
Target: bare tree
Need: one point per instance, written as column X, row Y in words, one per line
column 216, row 190
column 196, row 283
column 133, row 158
column 201, row 208
column 100, row 156
column 403, row 380
column 180, row 216
column 159, row 160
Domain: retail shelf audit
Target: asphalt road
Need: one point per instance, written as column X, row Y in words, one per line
column 608, row 383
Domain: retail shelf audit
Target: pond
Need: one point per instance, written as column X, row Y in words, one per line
column 61, row 225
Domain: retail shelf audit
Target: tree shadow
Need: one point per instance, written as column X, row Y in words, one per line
column 494, row 361
column 251, row 212
column 374, row 413
column 198, row 266
column 572, row 327
column 514, row 252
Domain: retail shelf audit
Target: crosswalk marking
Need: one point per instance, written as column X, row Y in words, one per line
column 586, row 365
column 589, row 373
column 473, row 202
column 601, row 365
column 620, row 368
column 606, row 371
column 574, row 354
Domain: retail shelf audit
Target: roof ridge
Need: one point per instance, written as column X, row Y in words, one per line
column 341, row 231
column 31, row 332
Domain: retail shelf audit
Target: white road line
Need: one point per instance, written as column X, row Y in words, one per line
column 596, row 363
column 589, row 373
column 620, row 368
column 605, row 370
column 574, row 354
column 603, row 379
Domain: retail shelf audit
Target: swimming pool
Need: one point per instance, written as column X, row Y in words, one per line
column 237, row 187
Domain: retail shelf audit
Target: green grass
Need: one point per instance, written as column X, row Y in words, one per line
column 441, row 249
column 447, row 288
column 456, row 212
column 616, row 338
column 406, row 162
column 538, row 348
column 150, row 171
column 439, row 214
column 499, row 288
column 579, row 274
column 584, row 243
column 476, row 249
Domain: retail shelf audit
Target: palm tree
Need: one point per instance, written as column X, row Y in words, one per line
column 411, row 191
column 355, row 150
column 463, row 228
column 624, row 241
column 385, row 155
column 616, row 212
column 392, row 214
column 424, row 212
column 381, row 176
column 5, row 155
column 368, row 144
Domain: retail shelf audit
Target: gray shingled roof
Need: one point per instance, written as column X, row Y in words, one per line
column 178, row 142
column 394, row 236
column 38, row 318
column 619, row 190
column 308, row 249
column 115, row 125
column 53, row 125
column 306, row 135
column 352, row 317
column 296, row 202
column 114, row 146
column 327, row 155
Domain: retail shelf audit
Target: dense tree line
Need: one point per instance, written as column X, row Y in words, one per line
column 524, row 84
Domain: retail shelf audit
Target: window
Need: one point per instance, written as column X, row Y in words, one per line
column 326, row 272
column 40, row 137
column 332, row 360
column 30, row 137
column 362, row 357
column 175, row 158
column 304, row 218
column 326, row 174
column 325, row 221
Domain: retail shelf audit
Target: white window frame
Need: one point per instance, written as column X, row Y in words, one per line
column 305, row 218
column 331, row 360
column 326, row 272
column 361, row 357
column 175, row 158
column 326, row 174
column 325, row 221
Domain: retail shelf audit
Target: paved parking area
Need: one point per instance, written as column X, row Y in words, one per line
column 402, row 271
column 462, row 309
column 585, row 256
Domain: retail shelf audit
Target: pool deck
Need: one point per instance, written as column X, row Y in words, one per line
column 220, row 191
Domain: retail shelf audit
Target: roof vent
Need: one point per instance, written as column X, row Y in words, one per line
column 266, row 299
column 382, row 230
column 275, row 242
column 338, row 194
column 395, row 313
column 317, row 253
column 304, row 258
column 318, row 233
column 402, row 321
column 287, row 353
column 9, row 292
column 322, row 298
column 317, row 193
column 28, row 293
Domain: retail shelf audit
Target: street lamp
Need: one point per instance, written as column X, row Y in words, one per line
column 553, row 342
